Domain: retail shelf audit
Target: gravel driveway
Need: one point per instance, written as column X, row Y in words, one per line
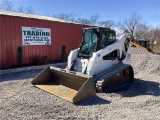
column 20, row 100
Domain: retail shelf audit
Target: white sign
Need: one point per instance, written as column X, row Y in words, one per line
column 36, row 36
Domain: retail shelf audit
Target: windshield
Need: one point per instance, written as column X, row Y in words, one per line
column 89, row 43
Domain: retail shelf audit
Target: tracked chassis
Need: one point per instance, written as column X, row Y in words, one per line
column 114, row 78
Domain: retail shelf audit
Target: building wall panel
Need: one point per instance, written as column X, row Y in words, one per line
column 67, row 34
column 1, row 50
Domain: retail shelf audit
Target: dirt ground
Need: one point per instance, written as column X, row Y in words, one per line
column 141, row 101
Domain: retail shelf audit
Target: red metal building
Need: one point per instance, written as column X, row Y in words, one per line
column 62, row 33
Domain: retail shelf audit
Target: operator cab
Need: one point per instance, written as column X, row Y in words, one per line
column 95, row 39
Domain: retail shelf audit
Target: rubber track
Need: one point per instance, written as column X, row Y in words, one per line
column 101, row 77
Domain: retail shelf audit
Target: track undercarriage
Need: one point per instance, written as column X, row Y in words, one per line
column 118, row 76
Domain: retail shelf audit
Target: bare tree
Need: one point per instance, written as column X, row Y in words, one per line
column 157, row 34
column 107, row 23
column 93, row 19
column 69, row 17
column 78, row 19
column 148, row 33
column 130, row 24
column 84, row 21
column 154, row 34
column 7, row 5
column 29, row 10
column 142, row 31
column 21, row 9
column 73, row 17
column 62, row 16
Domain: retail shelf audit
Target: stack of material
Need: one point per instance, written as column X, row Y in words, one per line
column 145, row 62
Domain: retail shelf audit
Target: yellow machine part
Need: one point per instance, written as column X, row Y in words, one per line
column 138, row 46
column 73, row 87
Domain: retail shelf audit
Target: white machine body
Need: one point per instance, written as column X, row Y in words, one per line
column 95, row 64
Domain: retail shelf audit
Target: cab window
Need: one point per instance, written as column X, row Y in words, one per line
column 111, row 38
column 107, row 39
column 103, row 42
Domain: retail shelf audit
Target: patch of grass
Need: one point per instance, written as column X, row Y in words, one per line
column 155, row 48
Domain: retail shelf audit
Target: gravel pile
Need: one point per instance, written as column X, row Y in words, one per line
column 145, row 62
column 20, row 100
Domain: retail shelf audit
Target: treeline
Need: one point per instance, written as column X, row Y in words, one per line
column 9, row 6
column 92, row 20
column 132, row 24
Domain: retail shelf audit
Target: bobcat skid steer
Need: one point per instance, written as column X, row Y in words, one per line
column 100, row 64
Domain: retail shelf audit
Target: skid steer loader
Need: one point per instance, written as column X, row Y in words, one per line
column 100, row 64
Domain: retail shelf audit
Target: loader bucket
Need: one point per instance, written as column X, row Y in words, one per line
column 73, row 87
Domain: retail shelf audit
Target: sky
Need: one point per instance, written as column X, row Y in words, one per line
column 116, row 10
